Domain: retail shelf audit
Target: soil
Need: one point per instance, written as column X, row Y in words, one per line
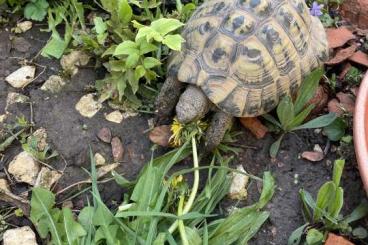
column 70, row 135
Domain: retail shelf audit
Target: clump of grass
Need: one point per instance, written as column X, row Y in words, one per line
column 159, row 208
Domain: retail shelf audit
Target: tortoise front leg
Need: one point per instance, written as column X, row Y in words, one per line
column 167, row 98
column 220, row 122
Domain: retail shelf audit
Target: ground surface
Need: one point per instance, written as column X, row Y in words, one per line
column 70, row 134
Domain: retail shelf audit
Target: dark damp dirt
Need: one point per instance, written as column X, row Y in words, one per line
column 71, row 135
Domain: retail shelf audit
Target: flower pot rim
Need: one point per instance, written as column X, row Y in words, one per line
column 360, row 130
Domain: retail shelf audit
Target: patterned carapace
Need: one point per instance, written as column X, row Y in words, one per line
column 246, row 54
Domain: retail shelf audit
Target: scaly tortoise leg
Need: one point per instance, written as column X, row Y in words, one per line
column 220, row 123
column 167, row 98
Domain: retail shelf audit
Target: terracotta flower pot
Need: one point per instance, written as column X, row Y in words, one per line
column 361, row 130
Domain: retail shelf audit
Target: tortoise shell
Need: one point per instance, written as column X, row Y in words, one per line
column 246, row 54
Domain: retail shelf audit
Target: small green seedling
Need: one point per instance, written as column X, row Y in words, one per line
column 354, row 76
column 323, row 214
column 291, row 115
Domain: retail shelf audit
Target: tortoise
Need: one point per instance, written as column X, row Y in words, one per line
column 240, row 57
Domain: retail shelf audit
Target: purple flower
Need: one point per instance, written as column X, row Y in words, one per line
column 316, row 9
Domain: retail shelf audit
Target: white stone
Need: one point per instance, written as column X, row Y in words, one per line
column 70, row 62
column 21, row 77
column 115, row 117
column 23, row 26
column 46, row 178
column 238, row 188
column 53, row 84
column 13, row 98
column 24, row 168
column 20, row 236
column 87, row 106
column 99, row 159
column 40, row 135
column 2, row 118
column 4, row 186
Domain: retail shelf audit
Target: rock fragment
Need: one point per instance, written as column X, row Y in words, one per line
column 53, row 84
column 24, row 168
column 46, row 178
column 115, row 117
column 117, row 149
column 21, row 77
column 20, row 236
column 99, row 159
column 105, row 135
column 87, row 106
column 238, row 188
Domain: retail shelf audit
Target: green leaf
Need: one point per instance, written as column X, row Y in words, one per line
column 55, row 47
column 325, row 196
column 296, row 237
column 285, row 112
column 127, row 48
column 100, row 25
column 36, row 10
column 268, row 190
column 307, row 89
column 193, row 236
column 337, row 171
column 120, row 180
column 274, row 149
column 43, row 216
column 359, row 212
column 272, row 120
column 314, row 237
column 151, row 62
column 336, row 130
column 132, row 60
column 73, row 229
column 138, row 73
column 336, row 205
column 299, row 119
column 85, row 217
column 360, row 233
column 164, row 25
column 173, row 41
column 125, row 11
column 318, row 122
column 146, row 47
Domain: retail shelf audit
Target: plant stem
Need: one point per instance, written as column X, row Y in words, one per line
column 183, row 235
column 194, row 191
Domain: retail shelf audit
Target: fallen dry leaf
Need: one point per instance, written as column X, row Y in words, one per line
column 105, row 135
column 335, row 107
column 344, row 103
column 313, row 156
column 319, row 99
column 342, row 55
column 102, row 171
column 337, row 240
column 347, row 101
column 356, row 12
column 255, row 126
column 360, row 58
column 117, row 149
column 161, row 135
column 338, row 37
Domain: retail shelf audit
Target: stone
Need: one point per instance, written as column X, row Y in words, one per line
column 70, row 62
column 24, row 168
column 105, row 135
column 46, row 178
column 40, row 135
column 238, row 188
column 53, row 84
column 99, row 159
column 4, row 186
column 20, row 236
column 115, row 117
column 21, row 77
column 161, row 135
column 87, row 106
column 360, row 58
column 13, row 98
column 117, row 149
column 356, row 11
column 23, row 26
column 337, row 37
